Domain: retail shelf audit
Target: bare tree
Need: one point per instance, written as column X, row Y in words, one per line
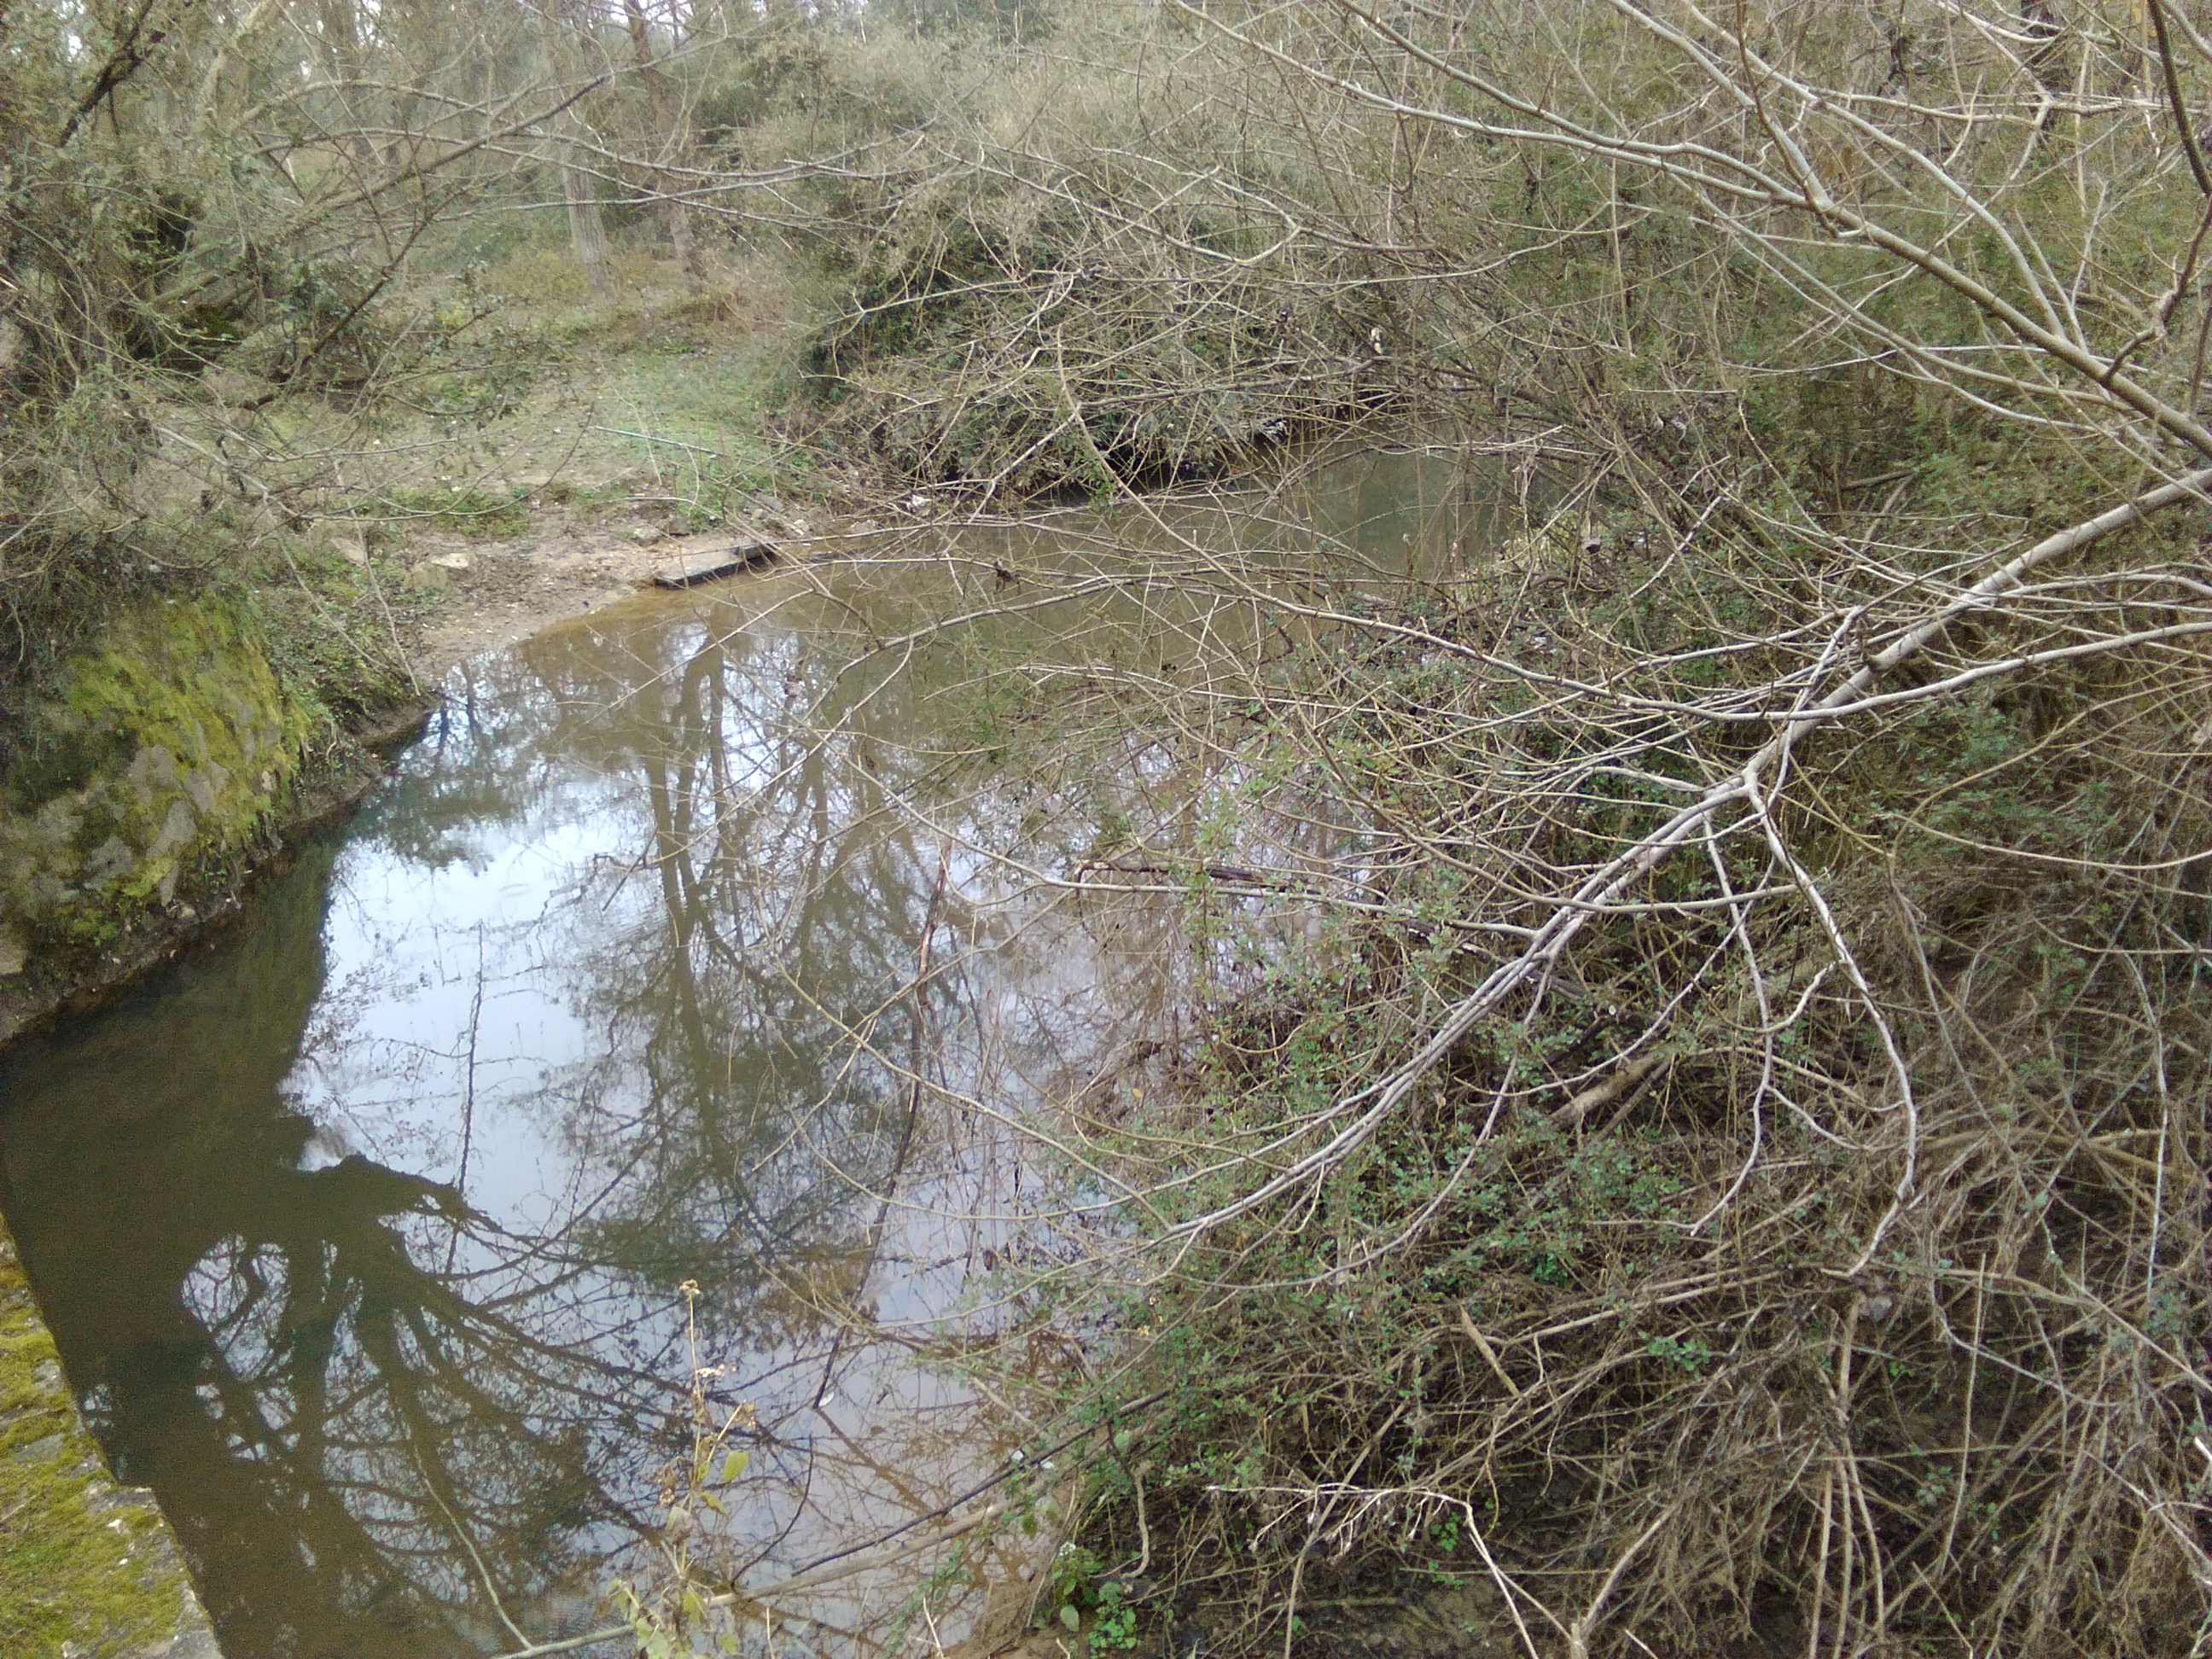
column 668, row 125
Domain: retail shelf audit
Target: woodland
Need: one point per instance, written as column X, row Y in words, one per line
column 1731, row 1177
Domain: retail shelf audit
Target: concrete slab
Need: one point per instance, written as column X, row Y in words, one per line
column 724, row 556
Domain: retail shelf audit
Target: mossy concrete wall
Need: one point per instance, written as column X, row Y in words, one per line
column 164, row 752
column 89, row 1569
column 162, row 755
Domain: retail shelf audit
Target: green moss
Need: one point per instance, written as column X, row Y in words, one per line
column 165, row 750
column 81, row 1562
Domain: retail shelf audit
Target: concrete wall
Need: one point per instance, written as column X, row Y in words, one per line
column 89, row 1569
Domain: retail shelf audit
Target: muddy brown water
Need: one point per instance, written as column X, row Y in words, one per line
column 667, row 958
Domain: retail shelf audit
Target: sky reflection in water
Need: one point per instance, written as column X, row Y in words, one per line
column 362, row 1230
column 366, row 1226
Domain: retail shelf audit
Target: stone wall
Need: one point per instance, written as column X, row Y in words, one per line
column 164, row 753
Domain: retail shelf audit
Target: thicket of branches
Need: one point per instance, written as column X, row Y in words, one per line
column 203, row 239
column 236, row 247
column 1735, row 1172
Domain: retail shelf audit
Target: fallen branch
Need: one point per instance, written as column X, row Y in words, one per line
column 1574, row 912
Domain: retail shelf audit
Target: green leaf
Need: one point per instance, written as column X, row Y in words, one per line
column 695, row 1606
column 736, row 1464
column 1069, row 1617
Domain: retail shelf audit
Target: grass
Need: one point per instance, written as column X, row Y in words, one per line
column 663, row 401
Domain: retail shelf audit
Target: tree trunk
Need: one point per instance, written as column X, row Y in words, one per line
column 667, row 137
column 340, row 32
column 587, row 229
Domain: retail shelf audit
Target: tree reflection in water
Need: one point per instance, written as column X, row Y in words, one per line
column 362, row 1231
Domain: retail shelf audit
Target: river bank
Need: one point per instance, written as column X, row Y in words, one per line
column 86, row 1567
column 475, row 594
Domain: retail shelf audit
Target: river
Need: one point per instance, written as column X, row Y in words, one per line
column 706, row 995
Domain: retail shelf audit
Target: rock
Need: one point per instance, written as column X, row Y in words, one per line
column 15, row 955
column 112, row 858
column 178, row 830
column 862, row 527
column 456, row 560
column 206, row 783
column 340, row 540
column 427, row 576
column 725, row 557
column 55, row 825
column 645, row 535
column 154, row 771
column 162, row 724
column 43, row 1450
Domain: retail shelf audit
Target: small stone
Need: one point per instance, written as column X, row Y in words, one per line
column 456, row 560
column 178, row 829
column 644, row 535
column 426, row 576
column 862, row 527
column 40, row 1450
column 110, row 859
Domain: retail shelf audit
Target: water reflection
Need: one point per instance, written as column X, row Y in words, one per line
column 362, row 1232
column 680, row 950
